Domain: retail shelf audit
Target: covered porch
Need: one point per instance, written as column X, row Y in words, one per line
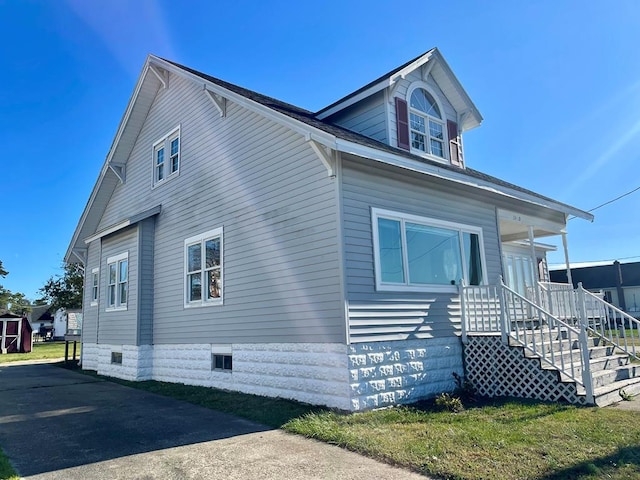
column 525, row 336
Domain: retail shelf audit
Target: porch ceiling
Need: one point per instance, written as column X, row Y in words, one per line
column 514, row 227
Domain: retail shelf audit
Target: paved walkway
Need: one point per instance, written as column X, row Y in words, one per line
column 58, row 424
column 631, row 405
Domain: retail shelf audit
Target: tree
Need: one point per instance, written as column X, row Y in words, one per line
column 10, row 301
column 65, row 291
column 13, row 302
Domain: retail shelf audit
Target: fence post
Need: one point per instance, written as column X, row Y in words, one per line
column 584, row 345
column 503, row 311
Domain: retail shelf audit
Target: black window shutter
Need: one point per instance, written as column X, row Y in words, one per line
column 402, row 120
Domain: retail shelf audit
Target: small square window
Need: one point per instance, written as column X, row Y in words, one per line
column 222, row 362
column 116, row 357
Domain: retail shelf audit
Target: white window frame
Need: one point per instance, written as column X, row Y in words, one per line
column 164, row 144
column 95, row 286
column 117, row 261
column 427, row 134
column 377, row 213
column 201, row 239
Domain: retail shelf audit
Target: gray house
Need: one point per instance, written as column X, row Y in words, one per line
column 236, row 241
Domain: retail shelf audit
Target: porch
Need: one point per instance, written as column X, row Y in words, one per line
column 553, row 343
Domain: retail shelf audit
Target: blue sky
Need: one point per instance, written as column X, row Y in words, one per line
column 558, row 84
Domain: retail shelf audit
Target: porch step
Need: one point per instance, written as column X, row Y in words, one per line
column 610, row 394
column 573, row 355
column 598, row 365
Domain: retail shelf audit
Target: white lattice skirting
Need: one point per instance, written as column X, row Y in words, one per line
column 499, row 370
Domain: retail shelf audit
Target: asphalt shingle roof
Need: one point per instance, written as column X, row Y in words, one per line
column 309, row 118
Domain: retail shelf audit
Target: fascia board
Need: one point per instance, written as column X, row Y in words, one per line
column 280, row 118
column 105, row 167
column 356, row 98
column 381, row 85
column 415, row 166
column 132, row 220
column 460, row 89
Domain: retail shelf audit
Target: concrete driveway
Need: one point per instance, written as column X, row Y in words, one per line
column 58, row 424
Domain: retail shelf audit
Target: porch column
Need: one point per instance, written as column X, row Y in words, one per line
column 566, row 258
column 534, row 264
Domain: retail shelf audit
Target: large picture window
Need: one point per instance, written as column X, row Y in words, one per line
column 118, row 281
column 166, row 157
column 203, row 269
column 421, row 254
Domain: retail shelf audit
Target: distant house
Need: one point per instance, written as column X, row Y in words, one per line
column 620, row 282
column 338, row 257
column 41, row 321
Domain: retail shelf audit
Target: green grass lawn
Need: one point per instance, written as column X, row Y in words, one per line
column 505, row 439
column 41, row 351
column 6, row 470
column 502, row 439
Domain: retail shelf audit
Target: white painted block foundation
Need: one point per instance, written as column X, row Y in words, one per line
column 391, row 373
column 356, row 377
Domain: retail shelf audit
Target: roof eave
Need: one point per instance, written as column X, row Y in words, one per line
column 347, row 146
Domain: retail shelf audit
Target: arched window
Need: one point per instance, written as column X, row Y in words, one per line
column 426, row 124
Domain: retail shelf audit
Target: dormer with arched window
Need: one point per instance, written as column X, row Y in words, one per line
column 419, row 107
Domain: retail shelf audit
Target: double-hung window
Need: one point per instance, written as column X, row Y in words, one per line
column 426, row 124
column 95, row 278
column 117, row 281
column 166, row 157
column 203, row 266
column 415, row 253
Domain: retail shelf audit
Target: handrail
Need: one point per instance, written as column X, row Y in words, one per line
column 546, row 335
column 499, row 309
column 611, row 324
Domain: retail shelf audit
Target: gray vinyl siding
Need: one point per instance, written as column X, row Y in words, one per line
column 272, row 196
column 386, row 315
column 368, row 117
column 146, row 241
column 119, row 327
column 90, row 312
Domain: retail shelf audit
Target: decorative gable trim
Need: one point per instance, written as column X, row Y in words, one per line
column 218, row 101
column 161, row 74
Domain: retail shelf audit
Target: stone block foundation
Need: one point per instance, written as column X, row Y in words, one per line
column 354, row 377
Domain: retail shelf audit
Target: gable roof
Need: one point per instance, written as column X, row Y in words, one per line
column 441, row 72
column 298, row 119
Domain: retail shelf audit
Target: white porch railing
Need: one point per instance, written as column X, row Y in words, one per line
column 610, row 323
column 497, row 309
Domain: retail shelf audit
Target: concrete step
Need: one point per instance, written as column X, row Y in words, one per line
column 611, row 393
column 607, row 377
column 574, row 356
column 598, row 364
